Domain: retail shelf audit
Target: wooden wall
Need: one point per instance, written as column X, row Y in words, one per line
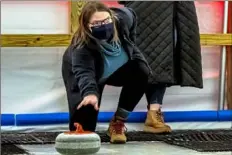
column 229, row 62
column 57, row 40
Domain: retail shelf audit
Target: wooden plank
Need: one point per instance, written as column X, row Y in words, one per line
column 56, row 40
column 216, row 39
column 52, row 40
column 229, row 63
column 75, row 7
column 229, row 78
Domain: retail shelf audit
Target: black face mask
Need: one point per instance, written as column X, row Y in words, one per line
column 103, row 32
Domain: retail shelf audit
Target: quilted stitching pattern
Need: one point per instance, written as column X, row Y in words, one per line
column 155, row 38
column 191, row 66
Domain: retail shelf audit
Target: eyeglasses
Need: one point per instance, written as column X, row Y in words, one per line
column 99, row 23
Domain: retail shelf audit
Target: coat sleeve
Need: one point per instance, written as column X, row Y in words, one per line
column 133, row 27
column 130, row 19
column 84, row 71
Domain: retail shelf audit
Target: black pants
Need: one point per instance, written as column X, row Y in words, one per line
column 155, row 93
column 132, row 77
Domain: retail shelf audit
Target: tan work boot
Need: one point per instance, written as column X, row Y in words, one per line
column 155, row 123
column 116, row 132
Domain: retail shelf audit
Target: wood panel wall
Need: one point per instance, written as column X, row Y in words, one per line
column 58, row 40
column 229, row 62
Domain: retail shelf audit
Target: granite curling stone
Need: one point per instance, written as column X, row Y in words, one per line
column 77, row 142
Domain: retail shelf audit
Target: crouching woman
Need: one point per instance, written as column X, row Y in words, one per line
column 102, row 53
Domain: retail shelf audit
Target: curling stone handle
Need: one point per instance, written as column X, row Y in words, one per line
column 79, row 128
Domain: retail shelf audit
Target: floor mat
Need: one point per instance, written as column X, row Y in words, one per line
column 49, row 137
column 199, row 140
column 203, row 146
column 12, row 150
column 19, row 138
column 203, row 141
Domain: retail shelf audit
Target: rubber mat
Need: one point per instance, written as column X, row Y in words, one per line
column 13, row 138
column 199, row 140
column 204, row 141
column 49, row 137
column 12, row 150
column 203, row 146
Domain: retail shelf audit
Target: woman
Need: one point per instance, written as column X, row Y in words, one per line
column 102, row 53
column 168, row 37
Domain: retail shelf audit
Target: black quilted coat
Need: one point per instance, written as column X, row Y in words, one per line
column 172, row 64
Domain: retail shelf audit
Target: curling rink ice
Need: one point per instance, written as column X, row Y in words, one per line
column 132, row 148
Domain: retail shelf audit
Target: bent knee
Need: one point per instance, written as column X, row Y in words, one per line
column 143, row 69
column 141, row 72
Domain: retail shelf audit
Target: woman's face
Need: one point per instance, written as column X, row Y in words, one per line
column 100, row 18
column 101, row 25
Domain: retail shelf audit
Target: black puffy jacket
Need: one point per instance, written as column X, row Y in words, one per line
column 156, row 24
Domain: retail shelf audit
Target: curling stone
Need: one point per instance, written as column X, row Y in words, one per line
column 77, row 142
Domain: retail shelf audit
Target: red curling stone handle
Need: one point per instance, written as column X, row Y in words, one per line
column 79, row 130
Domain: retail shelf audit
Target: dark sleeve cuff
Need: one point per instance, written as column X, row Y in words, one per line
column 91, row 93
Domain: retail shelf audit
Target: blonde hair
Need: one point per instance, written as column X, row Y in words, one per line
column 83, row 35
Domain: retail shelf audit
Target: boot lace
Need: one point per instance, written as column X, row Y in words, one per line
column 118, row 127
column 159, row 117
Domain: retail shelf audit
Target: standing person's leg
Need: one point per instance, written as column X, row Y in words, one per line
column 133, row 79
column 155, row 121
column 155, row 94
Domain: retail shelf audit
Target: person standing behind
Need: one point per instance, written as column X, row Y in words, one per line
column 168, row 36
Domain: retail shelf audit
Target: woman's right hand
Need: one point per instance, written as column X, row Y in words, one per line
column 90, row 99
